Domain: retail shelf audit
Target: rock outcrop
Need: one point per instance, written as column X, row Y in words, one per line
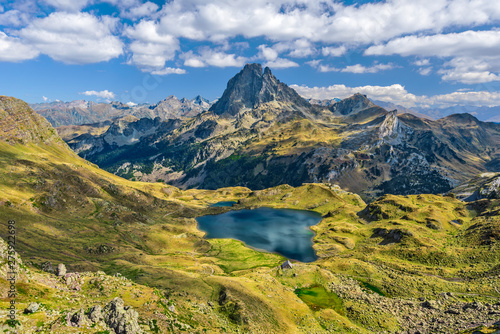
column 122, row 319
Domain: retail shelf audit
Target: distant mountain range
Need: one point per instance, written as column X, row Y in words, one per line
column 261, row 133
column 87, row 112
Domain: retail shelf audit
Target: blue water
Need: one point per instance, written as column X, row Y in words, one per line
column 222, row 204
column 283, row 231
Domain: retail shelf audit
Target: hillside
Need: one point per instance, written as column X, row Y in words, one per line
column 261, row 134
column 397, row 265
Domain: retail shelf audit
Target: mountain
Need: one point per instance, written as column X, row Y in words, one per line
column 261, row 133
column 98, row 253
column 87, row 112
column 252, row 88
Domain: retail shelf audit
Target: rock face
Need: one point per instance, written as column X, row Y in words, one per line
column 122, row 319
column 251, row 88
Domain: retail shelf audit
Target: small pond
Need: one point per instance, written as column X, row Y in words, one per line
column 282, row 231
column 222, row 204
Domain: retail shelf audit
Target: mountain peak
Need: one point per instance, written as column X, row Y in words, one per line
column 352, row 104
column 252, row 87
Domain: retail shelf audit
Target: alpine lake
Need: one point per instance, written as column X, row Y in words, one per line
column 283, row 231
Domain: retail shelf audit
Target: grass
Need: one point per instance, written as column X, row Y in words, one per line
column 64, row 205
column 317, row 297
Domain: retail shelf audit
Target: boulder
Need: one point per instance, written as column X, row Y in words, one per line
column 122, row 319
column 32, row 308
column 95, row 314
column 47, row 267
column 61, row 270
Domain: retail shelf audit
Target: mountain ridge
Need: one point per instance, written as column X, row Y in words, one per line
column 261, row 133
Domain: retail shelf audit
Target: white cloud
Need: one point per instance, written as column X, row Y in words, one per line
column 105, row 94
column 270, row 55
column 151, row 48
column 281, row 63
column 141, row 11
column 466, row 44
column 334, row 51
column 68, row 5
column 397, row 94
column 74, row 38
column 14, row 18
column 471, row 70
column 358, row 68
column 169, row 70
column 45, row 99
column 326, row 21
column 422, row 62
column 131, row 104
column 212, row 57
column 425, row 70
column 13, row 49
column 474, row 54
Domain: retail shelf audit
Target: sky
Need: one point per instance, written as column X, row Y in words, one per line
column 415, row 53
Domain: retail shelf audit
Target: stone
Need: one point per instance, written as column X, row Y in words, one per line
column 122, row 319
column 47, row 267
column 78, row 319
column 95, row 314
column 32, row 308
column 61, row 270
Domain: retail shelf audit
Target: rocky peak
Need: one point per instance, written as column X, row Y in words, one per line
column 352, row 105
column 252, row 87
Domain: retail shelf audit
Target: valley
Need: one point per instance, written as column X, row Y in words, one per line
column 399, row 263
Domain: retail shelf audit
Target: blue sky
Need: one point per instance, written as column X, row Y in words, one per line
column 436, row 53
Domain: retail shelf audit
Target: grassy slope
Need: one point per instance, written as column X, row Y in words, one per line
column 65, row 206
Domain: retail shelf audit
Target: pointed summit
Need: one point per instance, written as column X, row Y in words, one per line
column 251, row 87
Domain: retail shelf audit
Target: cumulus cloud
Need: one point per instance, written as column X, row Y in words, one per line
column 79, row 38
column 169, row 70
column 358, row 68
column 68, row 5
column 328, row 22
column 270, row 55
column 397, row 94
column 104, row 94
column 474, row 53
column 141, row 11
column 210, row 57
column 334, row 51
column 14, row 18
column 150, row 48
column 13, row 49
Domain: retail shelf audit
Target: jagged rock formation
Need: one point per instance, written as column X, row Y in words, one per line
column 252, row 88
column 122, row 319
